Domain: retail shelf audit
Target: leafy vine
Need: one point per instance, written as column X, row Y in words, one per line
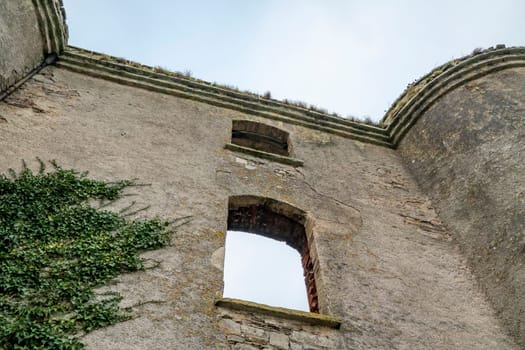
column 55, row 249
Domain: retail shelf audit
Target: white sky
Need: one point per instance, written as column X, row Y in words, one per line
column 263, row 270
column 353, row 57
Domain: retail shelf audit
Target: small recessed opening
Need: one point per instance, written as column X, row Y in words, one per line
column 277, row 221
column 261, row 137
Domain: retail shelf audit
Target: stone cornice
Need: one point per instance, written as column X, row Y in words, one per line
column 134, row 74
column 420, row 96
column 52, row 23
column 405, row 111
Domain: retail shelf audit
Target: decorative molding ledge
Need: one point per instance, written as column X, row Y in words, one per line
column 404, row 113
column 421, row 95
column 133, row 74
column 295, row 315
column 52, row 23
column 265, row 155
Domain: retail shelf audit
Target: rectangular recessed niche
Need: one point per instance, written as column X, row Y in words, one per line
column 261, row 137
column 263, row 141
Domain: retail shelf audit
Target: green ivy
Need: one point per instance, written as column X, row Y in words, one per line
column 55, row 248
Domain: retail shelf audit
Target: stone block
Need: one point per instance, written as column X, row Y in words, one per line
column 253, row 334
column 279, row 340
column 230, row 326
column 245, row 347
column 312, row 339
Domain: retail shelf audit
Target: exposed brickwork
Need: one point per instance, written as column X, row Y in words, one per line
column 309, row 279
column 258, row 217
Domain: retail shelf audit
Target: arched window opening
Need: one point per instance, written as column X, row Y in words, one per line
column 261, row 137
column 279, row 221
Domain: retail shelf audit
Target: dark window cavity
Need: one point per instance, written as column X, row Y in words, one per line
column 261, row 137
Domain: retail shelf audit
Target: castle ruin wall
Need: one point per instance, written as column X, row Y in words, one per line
column 385, row 264
column 467, row 152
column 21, row 43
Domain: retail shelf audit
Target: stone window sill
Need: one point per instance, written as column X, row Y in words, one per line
column 270, row 156
column 296, row 315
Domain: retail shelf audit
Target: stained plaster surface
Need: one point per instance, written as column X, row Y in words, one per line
column 385, row 264
column 21, row 46
column 468, row 152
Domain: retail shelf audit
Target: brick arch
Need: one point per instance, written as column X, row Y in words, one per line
column 280, row 221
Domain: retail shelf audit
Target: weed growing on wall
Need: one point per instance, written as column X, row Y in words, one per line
column 55, row 248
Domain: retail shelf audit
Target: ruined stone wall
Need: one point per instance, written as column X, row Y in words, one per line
column 467, row 151
column 385, row 265
column 21, row 43
column 29, row 32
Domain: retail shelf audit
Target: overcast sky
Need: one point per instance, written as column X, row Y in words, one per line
column 350, row 57
column 264, row 270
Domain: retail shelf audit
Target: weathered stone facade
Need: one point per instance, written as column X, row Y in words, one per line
column 391, row 271
column 467, row 151
column 29, row 32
